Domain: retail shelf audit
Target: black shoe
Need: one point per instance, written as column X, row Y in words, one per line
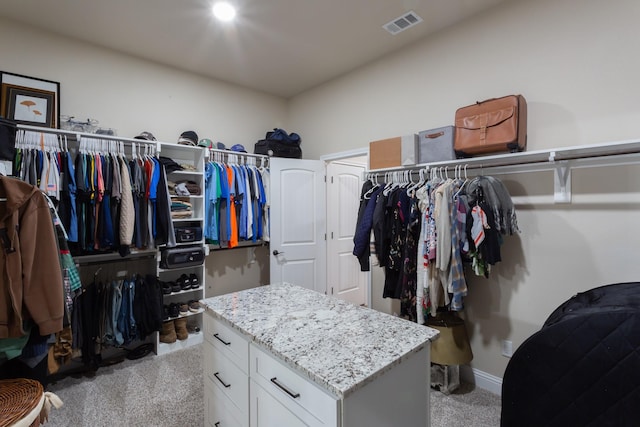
column 140, row 351
column 166, row 288
column 175, row 287
column 195, row 283
column 185, row 282
column 165, row 312
column 174, row 310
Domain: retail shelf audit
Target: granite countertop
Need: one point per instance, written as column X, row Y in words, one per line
column 334, row 343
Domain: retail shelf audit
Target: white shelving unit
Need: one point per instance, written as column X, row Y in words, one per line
column 181, row 154
column 194, row 157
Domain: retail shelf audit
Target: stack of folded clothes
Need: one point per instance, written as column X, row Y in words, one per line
column 180, row 208
column 184, row 188
column 187, row 188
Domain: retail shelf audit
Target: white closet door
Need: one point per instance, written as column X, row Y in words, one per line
column 298, row 223
column 344, row 278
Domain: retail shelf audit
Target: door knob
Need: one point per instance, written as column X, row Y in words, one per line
column 276, row 252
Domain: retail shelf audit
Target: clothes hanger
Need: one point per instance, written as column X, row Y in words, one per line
column 420, row 182
column 389, row 183
column 463, row 182
column 373, row 188
column 406, row 179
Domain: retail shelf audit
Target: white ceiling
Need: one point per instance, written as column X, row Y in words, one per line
column 281, row 47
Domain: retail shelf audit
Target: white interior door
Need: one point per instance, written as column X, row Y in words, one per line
column 344, row 278
column 298, row 222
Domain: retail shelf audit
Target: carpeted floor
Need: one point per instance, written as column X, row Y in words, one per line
column 467, row 406
column 167, row 391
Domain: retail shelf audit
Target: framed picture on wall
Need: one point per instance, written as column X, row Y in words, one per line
column 29, row 100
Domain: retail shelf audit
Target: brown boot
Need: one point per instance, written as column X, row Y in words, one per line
column 168, row 332
column 181, row 329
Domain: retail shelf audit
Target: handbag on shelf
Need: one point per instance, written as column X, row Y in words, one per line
column 491, row 126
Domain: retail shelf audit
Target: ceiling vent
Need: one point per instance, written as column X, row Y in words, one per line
column 402, row 23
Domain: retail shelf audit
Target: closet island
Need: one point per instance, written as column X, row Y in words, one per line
column 281, row 354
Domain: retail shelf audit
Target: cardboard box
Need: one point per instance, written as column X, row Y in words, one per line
column 393, row 152
column 436, row 145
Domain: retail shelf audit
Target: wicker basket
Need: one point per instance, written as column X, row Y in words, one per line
column 18, row 399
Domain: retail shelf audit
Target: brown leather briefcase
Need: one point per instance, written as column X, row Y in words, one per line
column 491, row 126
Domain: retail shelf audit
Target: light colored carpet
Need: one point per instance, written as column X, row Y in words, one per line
column 162, row 391
column 466, row 406
column 167, row 391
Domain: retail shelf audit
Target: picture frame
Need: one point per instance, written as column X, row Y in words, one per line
column 29, row 100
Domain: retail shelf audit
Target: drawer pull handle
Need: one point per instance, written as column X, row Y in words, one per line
column 285, row 389
column 221, row 382
column 217, row 424
column 221, row 340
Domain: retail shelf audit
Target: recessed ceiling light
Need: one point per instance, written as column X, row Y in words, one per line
column 224, row 11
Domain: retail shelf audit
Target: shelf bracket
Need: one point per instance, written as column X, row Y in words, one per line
column 562, row 182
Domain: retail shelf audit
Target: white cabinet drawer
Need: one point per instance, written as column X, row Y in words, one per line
column 219, row 411
column 230, row 342
column 305, row 399
column 226, row 377
column 266, row 411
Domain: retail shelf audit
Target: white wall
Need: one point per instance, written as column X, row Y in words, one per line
column 133, row 95
column 571, row 59
column 232, row 270
column 575, row 63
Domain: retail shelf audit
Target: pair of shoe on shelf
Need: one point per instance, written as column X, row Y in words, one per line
column 183, row 283
column 170, row 287
column 192, row 306
column 177, row 309
column 188, row 282
column 174, row 330
column 167, row 287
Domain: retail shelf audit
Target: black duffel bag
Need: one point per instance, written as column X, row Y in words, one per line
column 7, row 139
column 279, row 144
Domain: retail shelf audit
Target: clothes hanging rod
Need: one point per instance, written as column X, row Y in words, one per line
column 114, row 257
column 549, row 157
column 78, row 135
column 560, row 160
column 159, row 144
column 236, row 153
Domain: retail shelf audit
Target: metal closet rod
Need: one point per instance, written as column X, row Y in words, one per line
column 604, row 154
column 78, row 135
column 237, row 153
column 114, row 257
column 468, row 169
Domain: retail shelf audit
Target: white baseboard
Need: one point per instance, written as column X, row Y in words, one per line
column 481, row 379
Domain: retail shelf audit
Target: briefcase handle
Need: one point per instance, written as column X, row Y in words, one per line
column 434, row 135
